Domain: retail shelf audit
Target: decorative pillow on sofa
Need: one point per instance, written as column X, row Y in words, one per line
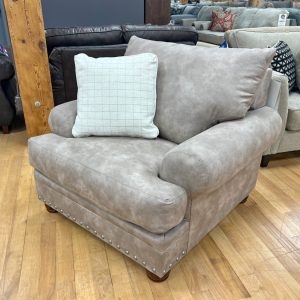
column 205, row 86
column 222, row 21
column 284, row 62
column 116, row 96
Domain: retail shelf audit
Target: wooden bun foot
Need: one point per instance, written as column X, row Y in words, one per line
column 155, row 278
column 245, row 200
column 50, row 209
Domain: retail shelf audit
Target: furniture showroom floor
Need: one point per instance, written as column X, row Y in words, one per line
column 254, row 253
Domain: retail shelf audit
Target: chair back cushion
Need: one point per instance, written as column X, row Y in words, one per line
column 265, row 37
column 199, row 87
column 205, row 12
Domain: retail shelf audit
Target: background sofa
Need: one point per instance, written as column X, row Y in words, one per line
column 246, row 18
column 8, row 92
column 288, row 104
column 64, row 43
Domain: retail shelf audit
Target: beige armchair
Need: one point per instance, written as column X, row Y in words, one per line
column 288, row 104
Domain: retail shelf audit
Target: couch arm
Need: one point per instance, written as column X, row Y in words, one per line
column 202, row 25
column 188, row 22
column 278, row 100
column 209, row 159
column 62, row 118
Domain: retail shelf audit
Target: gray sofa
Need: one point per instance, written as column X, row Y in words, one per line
column 246, row 18
column 288, row 104
column 154, row 200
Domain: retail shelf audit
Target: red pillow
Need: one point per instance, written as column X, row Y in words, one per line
column 222, row 21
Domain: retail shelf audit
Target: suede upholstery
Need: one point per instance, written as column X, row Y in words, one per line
column 177, row 121
column 205, row 162
column 154, row 200
column 121, row 176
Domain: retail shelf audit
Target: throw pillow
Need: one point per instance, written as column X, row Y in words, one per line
column 284, row 62
column 222, row 21
column 116, row 96
column 205, row 86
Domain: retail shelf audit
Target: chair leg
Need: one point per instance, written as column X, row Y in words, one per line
column 155, row 278
column 244, row 201
column 5, row 129
column 265, row 161
column 50, row 209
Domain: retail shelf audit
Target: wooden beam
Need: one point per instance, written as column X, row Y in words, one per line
column 157, row 12
column 26, row 28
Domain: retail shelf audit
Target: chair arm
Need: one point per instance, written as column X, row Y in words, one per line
column 211, row 158
column 278, row 99
column 62, row 118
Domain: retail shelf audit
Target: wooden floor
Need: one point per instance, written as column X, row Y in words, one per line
column 254, row 253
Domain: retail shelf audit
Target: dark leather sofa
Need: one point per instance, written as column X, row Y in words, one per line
column 7, row 93
column 105, row 41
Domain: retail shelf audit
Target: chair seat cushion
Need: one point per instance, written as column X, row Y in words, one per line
column 293, row 119
column 117, row 175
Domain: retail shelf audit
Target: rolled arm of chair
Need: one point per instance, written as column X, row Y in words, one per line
column 62, row 118
column 209, row 159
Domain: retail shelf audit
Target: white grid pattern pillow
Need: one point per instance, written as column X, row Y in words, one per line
column 116, row 96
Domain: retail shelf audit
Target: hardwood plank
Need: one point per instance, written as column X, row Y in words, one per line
column 157, row 12
column 13, row 259
column 26, row 28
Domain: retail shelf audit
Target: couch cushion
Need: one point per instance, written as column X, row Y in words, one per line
column 293, row 119
column 166, row 33
column 264, row 37
column 118, row 175
column 212, row 37
column 198, row 87
column 237, row 11
column 83, row 36
column 206, row 12
column 257, row 17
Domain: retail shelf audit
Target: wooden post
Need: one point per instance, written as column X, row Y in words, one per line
column 26, row 28
column 157, row 12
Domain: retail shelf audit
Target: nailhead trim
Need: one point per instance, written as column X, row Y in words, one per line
column 110, row 241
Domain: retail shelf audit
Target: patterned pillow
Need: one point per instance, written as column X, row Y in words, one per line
column 284, row 62
column 222, row 21
column 116, row 96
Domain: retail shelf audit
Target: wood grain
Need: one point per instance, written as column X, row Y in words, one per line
column 26, row 28
column 254, row 253
column 157, row 12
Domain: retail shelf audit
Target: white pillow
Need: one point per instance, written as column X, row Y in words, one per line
column 116, row 96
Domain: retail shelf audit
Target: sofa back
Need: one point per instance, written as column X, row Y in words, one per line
column 265, row 37
column 258, row 17
column 107, row 41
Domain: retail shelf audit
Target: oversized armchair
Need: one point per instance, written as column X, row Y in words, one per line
column 155, row 199
column 288, row 103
